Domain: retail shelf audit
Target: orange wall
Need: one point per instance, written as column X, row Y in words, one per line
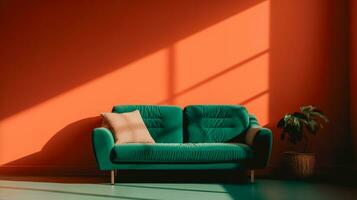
column 63, row 63
column 309, row 65
column 353, row 69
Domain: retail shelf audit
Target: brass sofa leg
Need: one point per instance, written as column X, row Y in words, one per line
column 112, row 177
column 252, row 176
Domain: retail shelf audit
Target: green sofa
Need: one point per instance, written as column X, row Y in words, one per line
column 195, row 138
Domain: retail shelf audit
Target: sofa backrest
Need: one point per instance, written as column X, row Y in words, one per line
column 214, row 123
column 164, row 122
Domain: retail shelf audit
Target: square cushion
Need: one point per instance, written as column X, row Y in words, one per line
column 163, row 122
column 127, row 127
column 214, row 123
column 181, row 153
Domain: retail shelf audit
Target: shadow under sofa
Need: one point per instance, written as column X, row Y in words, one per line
column 199, row 137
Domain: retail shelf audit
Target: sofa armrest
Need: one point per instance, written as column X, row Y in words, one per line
column 103, row 142
column 260, row 140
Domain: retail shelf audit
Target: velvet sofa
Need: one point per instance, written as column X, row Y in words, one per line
column 195, row 138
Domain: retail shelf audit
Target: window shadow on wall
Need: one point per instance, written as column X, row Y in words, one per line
column 65, row 50
column 51, row 47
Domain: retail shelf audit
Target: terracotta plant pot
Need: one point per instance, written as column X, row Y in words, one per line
column 301, row 165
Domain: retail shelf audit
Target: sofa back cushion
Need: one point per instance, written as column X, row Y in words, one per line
column 214, row 123
column 163, row 122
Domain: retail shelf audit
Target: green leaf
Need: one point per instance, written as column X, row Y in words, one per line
column 294, row 125
column 313, row 126
column 281, row 123
column 299, row 115
column 306, row 108
column 319, row 115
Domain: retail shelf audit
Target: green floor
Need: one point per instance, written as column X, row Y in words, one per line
column 262, row 189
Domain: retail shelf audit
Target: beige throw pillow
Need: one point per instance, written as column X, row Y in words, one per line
column 127, row 127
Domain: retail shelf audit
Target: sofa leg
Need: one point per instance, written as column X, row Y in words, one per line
column 251, row 176
column 112, row 177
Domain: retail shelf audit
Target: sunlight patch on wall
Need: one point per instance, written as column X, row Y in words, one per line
column 227, row 63
column 238, row 84
column 221, row 46
column 259, row 106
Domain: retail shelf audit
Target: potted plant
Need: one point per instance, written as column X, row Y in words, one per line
column 296, row 128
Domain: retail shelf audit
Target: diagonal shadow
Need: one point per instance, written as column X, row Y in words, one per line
column 76, row 130
column 254, row 97
column 176, row 189
column 72, row 193
column 101, row 38
column 215, row 76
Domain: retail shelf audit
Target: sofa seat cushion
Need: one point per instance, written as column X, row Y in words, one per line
column 181, row 153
